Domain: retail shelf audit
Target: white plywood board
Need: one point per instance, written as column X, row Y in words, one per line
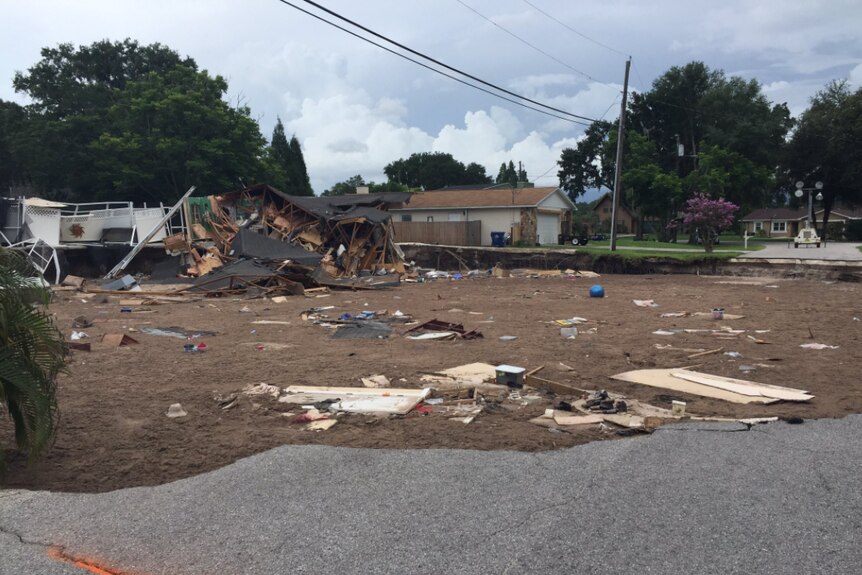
column 357, row 399
column 663, row 378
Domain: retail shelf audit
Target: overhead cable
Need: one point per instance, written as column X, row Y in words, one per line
column 539, row 110
column 518, row 38
column 426, row 57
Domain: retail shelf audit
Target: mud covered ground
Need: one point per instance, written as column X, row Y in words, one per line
column 114, row 432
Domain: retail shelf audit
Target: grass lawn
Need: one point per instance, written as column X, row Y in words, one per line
column 629, row 241
column 683, row 255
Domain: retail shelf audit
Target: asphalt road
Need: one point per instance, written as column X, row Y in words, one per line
column 831, row 251
column 712, row 499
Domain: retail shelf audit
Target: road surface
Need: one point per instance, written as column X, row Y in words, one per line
column 778, row 498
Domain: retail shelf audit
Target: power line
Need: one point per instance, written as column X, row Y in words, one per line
column 609, row 107
column 516, row 37
column 584, row 36
column 426, row 57
column 433, row 69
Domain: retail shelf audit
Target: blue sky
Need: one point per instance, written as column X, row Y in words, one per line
column 356, row 108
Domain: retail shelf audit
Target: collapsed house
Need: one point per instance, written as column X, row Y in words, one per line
column 345, row 241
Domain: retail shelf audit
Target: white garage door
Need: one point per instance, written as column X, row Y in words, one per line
column 548, row 228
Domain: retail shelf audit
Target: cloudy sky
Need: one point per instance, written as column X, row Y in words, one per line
column 355, row 107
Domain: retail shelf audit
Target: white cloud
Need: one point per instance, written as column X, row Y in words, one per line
column 855, row 76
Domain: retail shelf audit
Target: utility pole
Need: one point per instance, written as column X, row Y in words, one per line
column 618, row 172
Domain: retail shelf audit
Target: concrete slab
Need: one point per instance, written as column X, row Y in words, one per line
column 831, row 252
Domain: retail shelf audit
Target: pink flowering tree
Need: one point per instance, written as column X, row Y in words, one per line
column 708, row 216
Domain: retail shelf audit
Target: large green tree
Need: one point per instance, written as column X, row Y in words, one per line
column 827, row 146
column 300, row 184
column 169, row 131
column 125, row 121
column 350, row 184
column 433, row 170
column 287, row 170
column 695, row 130
column 509, row 175
column 590, row 164
column 72, row 91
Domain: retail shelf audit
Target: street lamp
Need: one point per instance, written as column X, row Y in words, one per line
column 800, row 189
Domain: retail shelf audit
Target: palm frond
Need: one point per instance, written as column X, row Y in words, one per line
column 32, row 354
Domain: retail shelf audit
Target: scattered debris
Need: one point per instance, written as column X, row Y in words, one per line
column 571, row 321
column 73, row 281
column 376, row 381
column 644, row 303
column 78, row 335
column 176, row 410
column 510, row 375
column 435, row 326
column 362, row 329
column 705, row 353
column 118, row 339
column 320, row 424
column 261, row 389
column 818, row 346
column 357, row 399
column 81, row 322
column 177, row 332
column 125, row 283
column 569, row 332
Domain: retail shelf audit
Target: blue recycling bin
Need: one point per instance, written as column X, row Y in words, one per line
column 498, row 239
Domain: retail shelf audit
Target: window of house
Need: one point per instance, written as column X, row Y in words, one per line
column 779, row 226
column 430, row 219
column 758, row 226
column 606, row 209
column 406, row 218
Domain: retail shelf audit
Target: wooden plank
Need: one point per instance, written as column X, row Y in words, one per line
column 555, row 386
column 563, row 418
column 663, row 379
column 742, row 386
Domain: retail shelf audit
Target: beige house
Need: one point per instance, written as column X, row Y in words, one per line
column 531, row 215
column 786, row 222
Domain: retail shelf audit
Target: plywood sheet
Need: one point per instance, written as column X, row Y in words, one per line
column 663, row 378
column 357, row 399
column 742, row 386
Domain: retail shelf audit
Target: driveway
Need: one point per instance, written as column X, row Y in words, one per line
column 830, row 251
column 709, row 498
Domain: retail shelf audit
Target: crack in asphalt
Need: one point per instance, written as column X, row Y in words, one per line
column 20, row 538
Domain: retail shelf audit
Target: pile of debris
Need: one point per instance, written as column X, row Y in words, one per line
column 264, row 239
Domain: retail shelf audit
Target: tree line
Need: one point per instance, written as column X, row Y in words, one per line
column 696, row 131
column 124, row 121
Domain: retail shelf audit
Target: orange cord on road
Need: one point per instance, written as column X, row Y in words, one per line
column 91, row 566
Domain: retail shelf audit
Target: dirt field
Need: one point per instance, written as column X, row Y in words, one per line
column 114, row 432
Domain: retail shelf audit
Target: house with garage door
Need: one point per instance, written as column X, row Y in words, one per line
column 477, row 216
